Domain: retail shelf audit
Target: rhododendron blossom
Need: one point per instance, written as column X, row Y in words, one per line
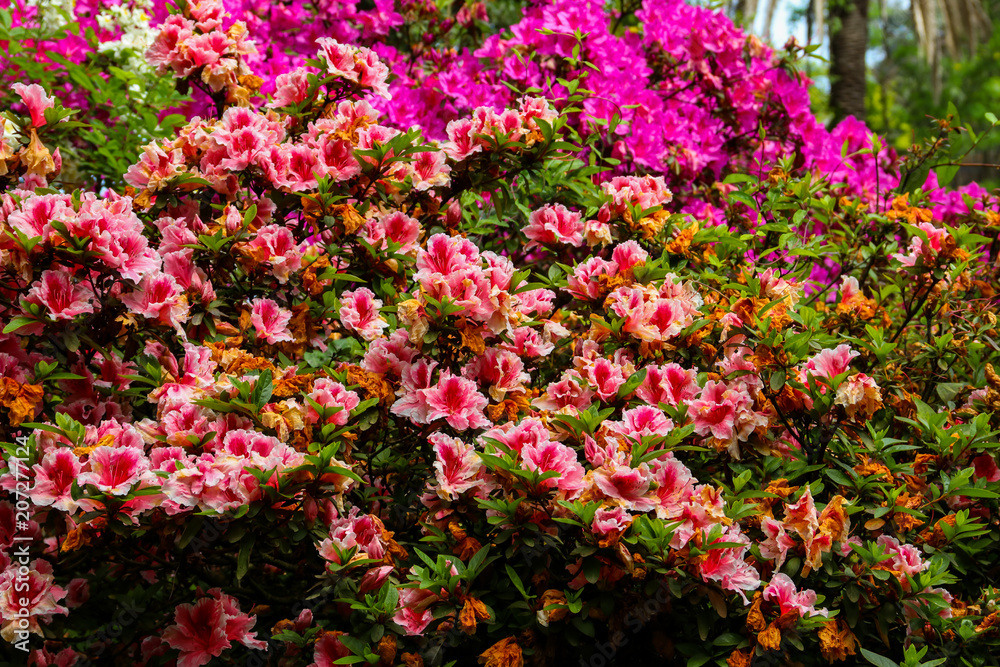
column 62, row 296
column 36, row 100
column 782, row 591
column 270, row 320
column 359, row 312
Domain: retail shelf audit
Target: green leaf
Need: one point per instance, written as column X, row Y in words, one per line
column 17, row 323
column 877, row 659
column 243, row 559
column 516, row 580
column 190, row 530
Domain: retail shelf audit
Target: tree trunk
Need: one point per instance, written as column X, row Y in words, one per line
column 847, row 59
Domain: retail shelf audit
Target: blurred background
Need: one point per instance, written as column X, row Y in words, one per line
column 896, row 64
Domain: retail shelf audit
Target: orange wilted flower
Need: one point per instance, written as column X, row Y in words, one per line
column 770, row 638
column 20, row 399
column 472, row 611
column 836, row 641
column 739, row 658
column 552, row 597
column 505, row 653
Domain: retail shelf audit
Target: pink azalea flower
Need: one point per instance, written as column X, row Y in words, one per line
column 554, row 224
column 33, row 217
column 530, row 431
column 238, row 625
column 642, row 192
column 986, row 467
column 357, row 64
column 674, row 485
column 670, row 384
column 414, row 613
column 849, row 288
column 155, row 167
column 905, row 558
column 359, row 312
column 36, row 100
column 114, row 470
column 40, row 591
column 203, row 630
column 640, row 422
column 782, row 591
column 457, row 401
column 726, row 565
column 416, row 379
column 917, row 248
column 714, row 412
column 396, row 227
column 828, row 363
column 389, row 355
column 63, row 298
column 291, row 88
column 270, row 321
column 328, row 650
column 158, row 297
column 584, row 282
column 360, row 533
column 456, row 465
column 430, row 170
column 500, row 369
column 610, row 520
column 54, row 478
column 569, row 391
column 328, row 393
column 618, row 480
column 555, row 457
column 629, row 255
column 282, row 252
column 606, row 378
column 778, row 542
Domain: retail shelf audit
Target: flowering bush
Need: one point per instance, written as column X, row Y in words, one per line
column 326, row 381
